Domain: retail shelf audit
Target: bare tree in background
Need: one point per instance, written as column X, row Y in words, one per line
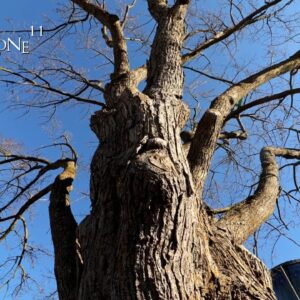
column 151, row 233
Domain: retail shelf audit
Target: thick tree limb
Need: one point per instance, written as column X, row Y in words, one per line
column 165, row 57
column 244, row 218
column 210, row 126
column 63, row 230
column 158, row 7
column 114, row 25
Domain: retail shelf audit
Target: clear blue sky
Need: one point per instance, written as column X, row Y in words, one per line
column 32, row 131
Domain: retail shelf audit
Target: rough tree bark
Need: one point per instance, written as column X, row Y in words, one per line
column 149, row 235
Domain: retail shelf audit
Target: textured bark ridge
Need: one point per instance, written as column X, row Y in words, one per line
column 148, row 235
column 240, row 275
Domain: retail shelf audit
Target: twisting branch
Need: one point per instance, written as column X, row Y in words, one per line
column 211, row 124
column 114, row 25
column 244, row 218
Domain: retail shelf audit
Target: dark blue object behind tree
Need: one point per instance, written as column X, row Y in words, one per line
column 286, row 280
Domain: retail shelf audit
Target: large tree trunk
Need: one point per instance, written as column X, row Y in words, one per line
column 148, row 236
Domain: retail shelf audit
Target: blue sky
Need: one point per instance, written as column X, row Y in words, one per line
column 32, row 130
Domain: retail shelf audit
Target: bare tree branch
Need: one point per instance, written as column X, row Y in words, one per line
column 128, row 8
column 244, row 218
column 113, row 23
column 261, row 101
column 224, row 80
column 20, row 189
column 210, row 126
column 21, row 211
column 255, row 16
column 43, row 84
